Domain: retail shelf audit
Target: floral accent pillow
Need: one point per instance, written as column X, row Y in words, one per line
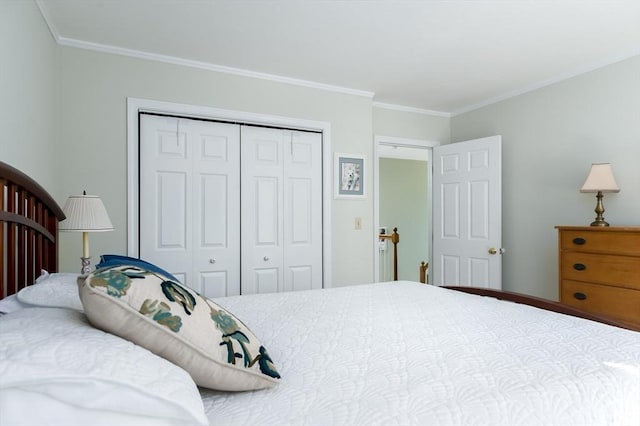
column 178, row 324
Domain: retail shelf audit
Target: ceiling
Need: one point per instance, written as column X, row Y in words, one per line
column 431, row 56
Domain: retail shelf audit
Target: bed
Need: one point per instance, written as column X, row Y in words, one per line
column 384, row 353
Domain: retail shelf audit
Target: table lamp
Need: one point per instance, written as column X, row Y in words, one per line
column 600, row 179
column 85, row 213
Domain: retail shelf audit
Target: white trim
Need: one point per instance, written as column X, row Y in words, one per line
column 47, row 18
column 404, row 108
column 413, row 143
column 134, row 105
column 80, row 44
column 544, row 83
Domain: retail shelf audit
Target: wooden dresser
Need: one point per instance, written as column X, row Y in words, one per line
column 600, row 270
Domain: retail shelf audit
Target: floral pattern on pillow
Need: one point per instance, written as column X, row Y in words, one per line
column 199, row 324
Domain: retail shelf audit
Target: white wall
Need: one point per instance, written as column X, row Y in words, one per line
column 93, row 88
column 550, row 138
column 27, row 92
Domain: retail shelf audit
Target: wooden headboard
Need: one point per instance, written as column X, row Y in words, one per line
column 29, row 219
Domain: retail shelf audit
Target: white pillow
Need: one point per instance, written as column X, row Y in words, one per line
column 10, row 304
column 57, row 369
column 57, row 290
column 173, row 321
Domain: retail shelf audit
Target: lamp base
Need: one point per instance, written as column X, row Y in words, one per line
column 599, row 211
column 86, row 265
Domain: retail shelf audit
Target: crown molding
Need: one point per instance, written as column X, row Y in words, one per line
column 138, row 54
column 70, row 42
column 404, row 108
column 47, row 19
column 545, row 83
column 81, row 44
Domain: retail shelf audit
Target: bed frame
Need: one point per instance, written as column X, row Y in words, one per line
column 545, row 304
column 29, row 219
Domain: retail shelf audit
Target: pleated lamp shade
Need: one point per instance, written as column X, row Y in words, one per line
column 85, row 213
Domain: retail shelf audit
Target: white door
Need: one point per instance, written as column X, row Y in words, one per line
column 302, row 211
column 467, row 213
column 190, row 203
column 282, row 230
column 262, row 219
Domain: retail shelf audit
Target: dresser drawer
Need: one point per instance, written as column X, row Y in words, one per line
column 622, row 271
column 618, row 303
column 619, row 242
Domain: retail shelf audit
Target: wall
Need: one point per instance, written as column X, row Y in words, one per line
column 550, row 138
column 93, row 91
column 411, row 125
column 27, row 92
column 403, row 203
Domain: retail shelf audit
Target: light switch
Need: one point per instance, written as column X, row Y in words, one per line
column 358, row 223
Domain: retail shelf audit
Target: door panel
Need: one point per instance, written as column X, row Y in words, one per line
column 262, row 221
column 282, row 235
column 467, row 213
column 189, row 201
column 302, row 211
column 195, row 174
column 216, row 208
column 165, row 195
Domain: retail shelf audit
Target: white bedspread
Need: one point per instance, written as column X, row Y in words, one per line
column 406, row 353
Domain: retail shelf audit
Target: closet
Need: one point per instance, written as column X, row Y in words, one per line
column 231, row 208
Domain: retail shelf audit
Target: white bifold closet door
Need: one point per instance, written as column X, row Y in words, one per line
column 190, row 201
column 281, row 210
column 231, row 209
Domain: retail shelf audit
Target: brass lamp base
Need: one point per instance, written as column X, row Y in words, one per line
column 599, row 211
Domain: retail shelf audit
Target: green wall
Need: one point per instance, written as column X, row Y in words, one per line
column 63, row 115
column 411, row 125
column 28, row 92
column 93, row 92
column 403, row 203
column 550, row 137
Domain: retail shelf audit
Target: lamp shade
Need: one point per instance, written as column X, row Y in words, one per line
column 600, row 179
column 85, row 213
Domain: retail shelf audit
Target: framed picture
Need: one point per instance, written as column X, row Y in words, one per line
column 349, row 176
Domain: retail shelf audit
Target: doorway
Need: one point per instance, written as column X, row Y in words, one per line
column 402, row 199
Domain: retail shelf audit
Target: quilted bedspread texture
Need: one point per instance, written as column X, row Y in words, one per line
column 412, row 354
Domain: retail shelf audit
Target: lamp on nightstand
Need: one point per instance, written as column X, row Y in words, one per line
column 600, row 180
column 85, row 213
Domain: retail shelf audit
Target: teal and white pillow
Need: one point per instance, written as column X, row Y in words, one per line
column 157, row 313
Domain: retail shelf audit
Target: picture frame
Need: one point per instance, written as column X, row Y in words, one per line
column 349, row 176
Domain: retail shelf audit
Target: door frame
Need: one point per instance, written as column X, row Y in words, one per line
column 136, row 105
column 409, row 143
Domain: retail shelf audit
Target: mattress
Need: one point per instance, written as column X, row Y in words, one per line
column 406, row 353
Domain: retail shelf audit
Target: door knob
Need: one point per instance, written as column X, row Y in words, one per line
column 494, row 250
column 266, row 258
column 212, row 261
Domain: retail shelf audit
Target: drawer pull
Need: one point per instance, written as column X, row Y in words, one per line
column 580, row 296
column 579, row 241
column 579, row 266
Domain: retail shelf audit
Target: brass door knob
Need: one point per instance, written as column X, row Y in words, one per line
column 493, row 250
